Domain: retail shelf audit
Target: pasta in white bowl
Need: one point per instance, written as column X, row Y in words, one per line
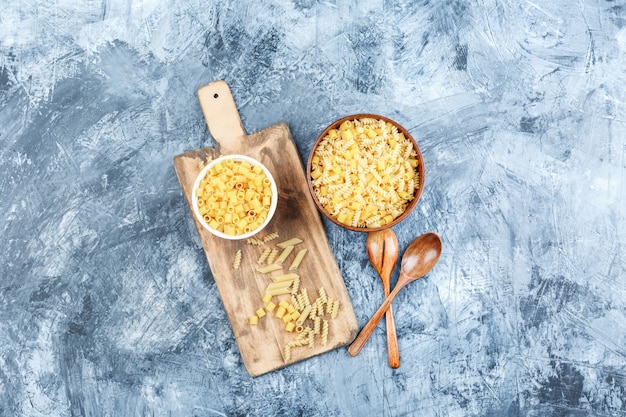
column 234, row 197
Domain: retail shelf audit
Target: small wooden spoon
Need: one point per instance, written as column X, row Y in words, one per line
column 418, row 259
column 382, row 249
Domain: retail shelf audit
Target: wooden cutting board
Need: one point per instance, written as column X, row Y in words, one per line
column 262, row 346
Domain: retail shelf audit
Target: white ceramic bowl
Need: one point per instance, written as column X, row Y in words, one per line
column 273, row 204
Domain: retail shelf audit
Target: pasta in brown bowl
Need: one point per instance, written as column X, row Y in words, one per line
column 365, row 172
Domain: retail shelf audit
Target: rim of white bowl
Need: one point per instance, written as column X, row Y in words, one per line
column 235, row 157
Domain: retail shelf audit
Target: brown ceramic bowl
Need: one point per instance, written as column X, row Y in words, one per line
column 420, row 170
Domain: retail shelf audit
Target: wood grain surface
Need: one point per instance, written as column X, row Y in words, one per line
column 241, row 290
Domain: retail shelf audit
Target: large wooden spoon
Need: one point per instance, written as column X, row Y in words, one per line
column 418, row 259
column 382, row 249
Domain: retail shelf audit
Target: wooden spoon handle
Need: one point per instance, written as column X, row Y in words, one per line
column 393, row 351
column 390, row 256
column 369, row 328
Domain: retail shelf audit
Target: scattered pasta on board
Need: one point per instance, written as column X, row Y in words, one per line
column 237, row 259
column 307, row 318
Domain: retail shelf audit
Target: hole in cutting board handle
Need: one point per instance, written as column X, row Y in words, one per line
column 221, row 115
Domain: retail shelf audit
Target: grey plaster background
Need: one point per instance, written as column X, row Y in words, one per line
column 107, row 305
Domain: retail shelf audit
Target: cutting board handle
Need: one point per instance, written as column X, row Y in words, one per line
column 221, row 114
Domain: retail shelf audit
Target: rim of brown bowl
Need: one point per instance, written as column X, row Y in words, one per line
column 421, row 171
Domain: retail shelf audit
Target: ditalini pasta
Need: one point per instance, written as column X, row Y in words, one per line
column 364, row 173
column 234, row 197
